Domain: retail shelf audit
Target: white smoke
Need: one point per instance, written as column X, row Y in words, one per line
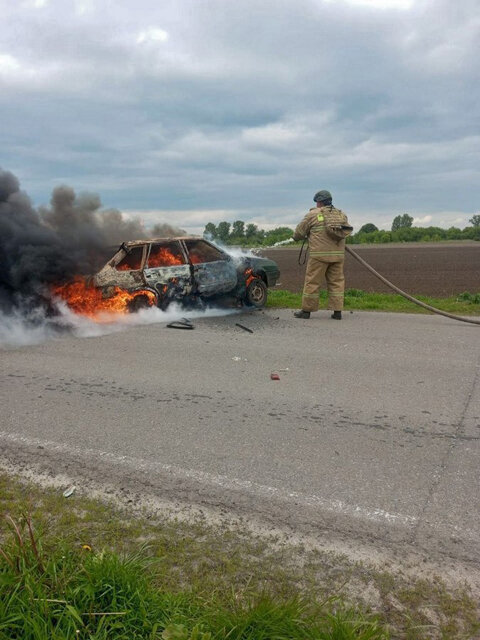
column 20, row 330
column 237, row 253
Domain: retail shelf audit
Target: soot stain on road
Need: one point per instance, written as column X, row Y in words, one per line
column 318, row 416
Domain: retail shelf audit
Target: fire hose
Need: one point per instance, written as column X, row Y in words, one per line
column 355, row 255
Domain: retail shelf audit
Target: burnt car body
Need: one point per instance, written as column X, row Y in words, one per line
column 187, row 269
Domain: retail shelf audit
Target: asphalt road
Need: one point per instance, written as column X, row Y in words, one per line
column 373, row 432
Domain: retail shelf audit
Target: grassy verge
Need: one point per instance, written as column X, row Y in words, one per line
column 68, row 593
column 87, row 570
column 355, row 299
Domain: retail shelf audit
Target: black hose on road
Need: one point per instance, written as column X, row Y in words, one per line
column 355, row 255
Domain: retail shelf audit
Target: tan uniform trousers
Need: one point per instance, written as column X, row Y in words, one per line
column 316, row 271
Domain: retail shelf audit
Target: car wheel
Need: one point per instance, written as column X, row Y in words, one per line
column 141, row 301
column 256, row 294
column 164, row 303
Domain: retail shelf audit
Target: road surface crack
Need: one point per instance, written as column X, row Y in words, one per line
column 458, row 436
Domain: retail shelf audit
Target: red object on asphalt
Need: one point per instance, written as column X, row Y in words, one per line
column 274, row 376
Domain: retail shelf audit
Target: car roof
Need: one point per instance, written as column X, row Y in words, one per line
column 134, row 243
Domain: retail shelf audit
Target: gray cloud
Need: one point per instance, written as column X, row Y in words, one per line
column 247, row 107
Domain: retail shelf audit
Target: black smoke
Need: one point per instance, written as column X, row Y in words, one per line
column 50, row 245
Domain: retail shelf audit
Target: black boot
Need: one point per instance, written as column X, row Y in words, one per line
column 302, row 314
column 337, row 315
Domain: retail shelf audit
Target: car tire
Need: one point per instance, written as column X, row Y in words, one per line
column 141, row 301
column 164, row 303
column 256, row 294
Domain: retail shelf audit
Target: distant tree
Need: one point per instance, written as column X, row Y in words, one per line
column 251, row 231
column 454, row 233
column 278, row 235
column 368, row 228
column 475, row 220
column 223, row 231
column 396, row 223
column 261, row 233
column 238, row 229
column 210, row 230
column 402, row 222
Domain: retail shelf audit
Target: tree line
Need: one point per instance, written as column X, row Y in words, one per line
column 402, row 230
column 239, row 233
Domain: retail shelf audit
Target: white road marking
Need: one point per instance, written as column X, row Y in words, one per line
column 139, row 464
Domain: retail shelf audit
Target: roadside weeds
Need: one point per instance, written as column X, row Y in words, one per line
column 229, row 569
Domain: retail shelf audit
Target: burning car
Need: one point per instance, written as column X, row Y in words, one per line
column 187, row 269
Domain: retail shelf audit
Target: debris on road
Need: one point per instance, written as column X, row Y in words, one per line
column 274, row 376
column 69, row 492
column 181, row 324
column 242, row 326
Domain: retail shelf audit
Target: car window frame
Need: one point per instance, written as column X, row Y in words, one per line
column 184, row 254
column 124, row 249
column 224, row 254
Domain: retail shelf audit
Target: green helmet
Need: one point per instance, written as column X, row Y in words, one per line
column 323, row 196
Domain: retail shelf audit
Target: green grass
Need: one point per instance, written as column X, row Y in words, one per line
column 74, row 592
column 159, row 578
column 355, row 299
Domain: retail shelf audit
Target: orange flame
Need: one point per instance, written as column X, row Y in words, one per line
column 249, row 276
column 89, row 301
column 127, row 267
column 163, row 257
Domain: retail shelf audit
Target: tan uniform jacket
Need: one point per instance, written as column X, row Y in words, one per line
column 321, row 245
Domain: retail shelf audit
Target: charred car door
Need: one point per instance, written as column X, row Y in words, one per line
column 214, row 272
column 124, row 269
column 167, row 269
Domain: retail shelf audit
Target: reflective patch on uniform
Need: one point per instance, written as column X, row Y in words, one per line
column 310, row 295
column 320, row 218
column 327, row 253
column 340, row 295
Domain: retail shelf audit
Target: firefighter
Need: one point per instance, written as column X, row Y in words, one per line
column 326, row 229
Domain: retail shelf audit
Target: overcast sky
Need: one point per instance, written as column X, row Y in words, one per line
column 189, row 111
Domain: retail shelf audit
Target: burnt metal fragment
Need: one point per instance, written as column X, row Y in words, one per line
column 237, row 324
column 180, row 324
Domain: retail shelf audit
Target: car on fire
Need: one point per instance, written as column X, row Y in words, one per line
column 188, row 269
